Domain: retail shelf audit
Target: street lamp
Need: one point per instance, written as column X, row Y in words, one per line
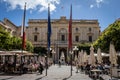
column 71, row 53
column 75, row 57
column 50, row 54
column 53, row 54
column 75, row 49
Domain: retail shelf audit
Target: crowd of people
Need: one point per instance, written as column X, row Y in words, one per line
column 40, row 65
column 89, row 69
column 24, row 66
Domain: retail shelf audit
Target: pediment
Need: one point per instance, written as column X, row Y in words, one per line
column 62, row 20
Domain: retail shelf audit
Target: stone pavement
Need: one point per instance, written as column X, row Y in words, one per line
column 54, row 73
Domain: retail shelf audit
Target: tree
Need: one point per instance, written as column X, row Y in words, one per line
column 16, row 42
column 40, row 50
column 29, row 46
column 111, row 34
column 85, row 46
column 4, row 39
column 8, row 42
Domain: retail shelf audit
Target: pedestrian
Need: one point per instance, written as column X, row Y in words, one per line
column 59, row 63
column 41, row 68
column 81, row 67
column 54, row 62
column 87, row 68
column 77, row 68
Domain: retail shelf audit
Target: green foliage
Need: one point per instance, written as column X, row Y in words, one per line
column 29, row 46
column 16, row 43
column 4, row 39
column 8, row 42
column 85, row 47
column 111, row 34
column 40, row 50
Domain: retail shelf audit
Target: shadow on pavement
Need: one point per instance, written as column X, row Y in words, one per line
column 10, row 74
column 40, row 78
column 66, row 78
column 7, row 78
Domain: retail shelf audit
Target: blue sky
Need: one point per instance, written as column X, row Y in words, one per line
column 106, row 11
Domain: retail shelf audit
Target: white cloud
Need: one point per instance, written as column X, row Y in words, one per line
column 91, row 6
column 41, row 5
column 97, row 3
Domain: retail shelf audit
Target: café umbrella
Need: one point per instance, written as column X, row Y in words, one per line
column 80, row 57
column 92, row 57
column 99, row 56
column 85, row 57
column 113, row 55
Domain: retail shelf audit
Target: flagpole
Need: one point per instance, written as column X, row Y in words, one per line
column 23, row 34
column 48, row 38
column 70, row 39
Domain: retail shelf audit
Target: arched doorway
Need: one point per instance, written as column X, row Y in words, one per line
column 63, row 54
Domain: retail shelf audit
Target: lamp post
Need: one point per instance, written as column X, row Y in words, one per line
column 71, row 53
column 50, row 55
column 53, row 54
column 46, row 64
column 46, row 59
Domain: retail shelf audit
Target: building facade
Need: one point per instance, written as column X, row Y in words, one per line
column 82, row 31
column 7, row 25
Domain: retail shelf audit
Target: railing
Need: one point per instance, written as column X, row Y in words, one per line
column 59, row 42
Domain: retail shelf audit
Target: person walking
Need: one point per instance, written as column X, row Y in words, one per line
column 59, row 63
column 77, row 68
column 41, row 68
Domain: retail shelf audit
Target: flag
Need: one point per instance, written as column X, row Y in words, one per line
column 70, row 31
column 23, row 29
column 49, row 28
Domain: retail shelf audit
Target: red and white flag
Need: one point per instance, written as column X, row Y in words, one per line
column 23, row 30
column 70, row 31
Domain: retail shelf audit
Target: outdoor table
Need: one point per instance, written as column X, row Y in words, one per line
column 115, row 72
column 95, row 73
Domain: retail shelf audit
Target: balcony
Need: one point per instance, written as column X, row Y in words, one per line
column 57, row 42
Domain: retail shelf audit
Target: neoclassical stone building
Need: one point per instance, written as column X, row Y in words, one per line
column 82, row 31
column 9, row 26
column 36, row 32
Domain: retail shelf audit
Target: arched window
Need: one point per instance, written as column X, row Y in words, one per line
column 35, row 29
column 76, row 29
column 35, row 38
column 90, row 38
column 63, row 34
column 62, row 37
column 89, row 29
column 77, row 38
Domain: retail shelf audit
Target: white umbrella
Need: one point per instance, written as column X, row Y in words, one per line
column 62, row 55
column 76, row 58
column 99, row 56
column 112, row 57
column 85, row 57
column 113, row 54
column 92, row 57
column 80, row 57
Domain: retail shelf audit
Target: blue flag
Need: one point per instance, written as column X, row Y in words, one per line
column 49, row 29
